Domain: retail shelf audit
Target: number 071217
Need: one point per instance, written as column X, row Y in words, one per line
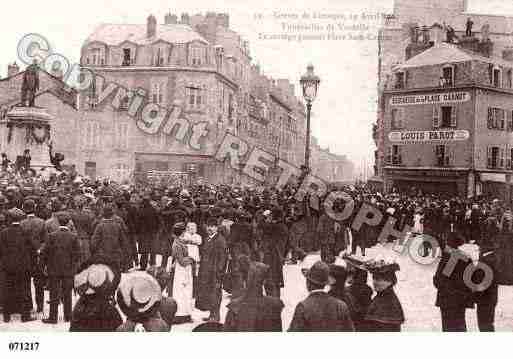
column 23, row 346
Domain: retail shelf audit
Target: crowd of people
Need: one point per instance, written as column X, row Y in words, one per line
column 156, row 253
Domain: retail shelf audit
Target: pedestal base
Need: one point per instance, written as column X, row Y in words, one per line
column 27, row 128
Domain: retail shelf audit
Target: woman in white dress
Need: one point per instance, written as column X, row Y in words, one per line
column 183, row 278
column 193, row 240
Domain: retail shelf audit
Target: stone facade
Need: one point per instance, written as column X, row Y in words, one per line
column 492, row 34
column 197, row 70
column 481, row 163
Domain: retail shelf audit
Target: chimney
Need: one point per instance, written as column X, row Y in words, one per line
column 223, row 20
column 185, row 19
column 170, row 19
column 437, row 34
column 12, row 69
column 151, row 26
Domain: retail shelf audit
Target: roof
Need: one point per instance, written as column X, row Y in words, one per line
column 443, row 53
column 116, row 34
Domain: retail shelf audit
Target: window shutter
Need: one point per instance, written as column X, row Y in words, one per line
column 502, row 119
column 436, row 116
column 401, row 118
column 388, row 158
column 510, row 121
column 406, row 78
column 454, row 75
column 501, row 151
column 490, row 72
column 508, row 157
column 490, row 118
column 454, row 120
column 489, row 156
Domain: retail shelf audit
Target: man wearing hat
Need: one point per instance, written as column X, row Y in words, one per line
column 212, row 271
column 109, row 239
column 320, row 312
column 61, row 255
column 35, row 226
column 17, row 257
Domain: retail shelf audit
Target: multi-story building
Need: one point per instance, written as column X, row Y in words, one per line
column 448, row 121
column 331, row 167
column 413, row 27
column 196, row 64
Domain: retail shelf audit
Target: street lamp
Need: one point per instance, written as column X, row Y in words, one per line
column 309, row 83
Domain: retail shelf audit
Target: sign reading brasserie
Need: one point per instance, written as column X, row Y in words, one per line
column 429, row 136
column 449, row 97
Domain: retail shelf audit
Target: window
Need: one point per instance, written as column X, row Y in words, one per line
column 92, row 135
column 196, row 55
column 397, row 119
column 496, row 77
column 497, row 119
column 92, row 96
column 158, row 57
column 447, row 78
column 157, row 93
column 399, row 80
column 510, row 79
column 495, row 157
column 394, row 155
column 127, row 58
column 96, row 57
column 195, row 98
column 509, row 154
column 121, row 136
column 444, row 117
column 442, row 155
column 230, row 109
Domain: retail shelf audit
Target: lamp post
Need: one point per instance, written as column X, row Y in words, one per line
column 310, row 84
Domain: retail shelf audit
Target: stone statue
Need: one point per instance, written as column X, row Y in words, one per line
column 485, row 32
column 30, row 85
column 468, row 31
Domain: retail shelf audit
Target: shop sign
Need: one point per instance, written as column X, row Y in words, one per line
column 425, row 173
column 430, row 99
column 428, row 136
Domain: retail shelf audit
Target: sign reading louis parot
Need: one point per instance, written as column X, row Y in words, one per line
column 428, row 136
column 448, row 97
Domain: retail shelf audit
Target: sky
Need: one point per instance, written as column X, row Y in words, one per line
column 345, row 107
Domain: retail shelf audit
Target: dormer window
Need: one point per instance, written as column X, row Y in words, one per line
column 196, row 55
column 447, row 76
column 399, row 80
column 159, row 57
column 497, row 77
column 127, row 57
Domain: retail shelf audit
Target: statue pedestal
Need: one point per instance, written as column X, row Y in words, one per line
column 27, row 128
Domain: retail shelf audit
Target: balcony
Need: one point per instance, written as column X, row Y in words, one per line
column 443, row 161
column 394, row 160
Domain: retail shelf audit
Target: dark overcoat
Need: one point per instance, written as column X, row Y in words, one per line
column 212, row 270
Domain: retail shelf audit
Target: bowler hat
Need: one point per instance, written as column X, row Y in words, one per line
column 319, row 273
column 16, row 214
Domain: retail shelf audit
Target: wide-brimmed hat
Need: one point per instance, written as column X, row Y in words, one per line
column 319, row 273
column 139, row 296
column 94, row 279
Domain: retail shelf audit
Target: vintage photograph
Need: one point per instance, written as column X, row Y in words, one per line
column 237, row 166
